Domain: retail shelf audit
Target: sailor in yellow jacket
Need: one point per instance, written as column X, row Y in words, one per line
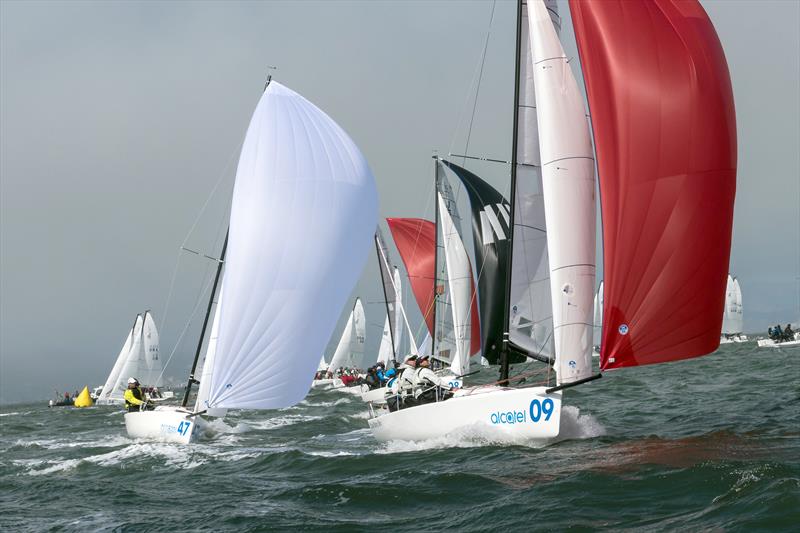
column 134, row 397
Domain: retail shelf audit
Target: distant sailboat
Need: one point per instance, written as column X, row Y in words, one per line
column 303, row 213
column 732, row 316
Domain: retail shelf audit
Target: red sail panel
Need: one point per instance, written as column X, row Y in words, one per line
column 416, row 241
column 665, row 136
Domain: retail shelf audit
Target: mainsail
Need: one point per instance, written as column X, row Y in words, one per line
column 738, row 316
column 598, row 315
column 569, row 201
column 729, row 312
column 134, row 363
column 303, row 214
column 201, row 403
column 389, row 346
column 350, row 350
column 665, row 136
column 152, row 368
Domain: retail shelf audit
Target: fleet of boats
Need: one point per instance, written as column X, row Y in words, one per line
column 304, row 214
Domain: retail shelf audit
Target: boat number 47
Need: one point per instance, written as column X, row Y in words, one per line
column 183, row 427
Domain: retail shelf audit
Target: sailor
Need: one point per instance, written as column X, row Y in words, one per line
column 788, row 333
column 134, row 397
column 402, row 389
column 430, row 387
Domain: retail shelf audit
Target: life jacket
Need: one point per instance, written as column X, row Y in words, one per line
column 137, row 393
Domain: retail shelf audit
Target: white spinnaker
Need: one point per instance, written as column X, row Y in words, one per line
column 116, row 370
column 203, row 390
column 531, row 313
column 152, row 362
column 303, row 214
column 598, row 314
column 568, row 180
column 134, row 363
column 729, row 313
column 738, row 317
column 459, row 279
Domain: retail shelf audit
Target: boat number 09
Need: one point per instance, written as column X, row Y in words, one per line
column 183, row 427
column 537, row 408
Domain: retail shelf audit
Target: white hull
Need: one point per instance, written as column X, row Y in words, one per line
column 165, row 424
column 769, row 343
column 375, row 396
column 322, row 383
column 500, row 414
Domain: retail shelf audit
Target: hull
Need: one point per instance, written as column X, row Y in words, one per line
column 322, row 383
column 501, row 414
column 163, row 424
column 769, row 343
column 375, row 396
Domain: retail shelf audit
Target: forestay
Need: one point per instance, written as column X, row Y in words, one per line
column 667, row 164
column 303, row 213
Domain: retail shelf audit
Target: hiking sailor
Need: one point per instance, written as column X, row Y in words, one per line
column 135, row 400
column 429, row 386
column 402, row 390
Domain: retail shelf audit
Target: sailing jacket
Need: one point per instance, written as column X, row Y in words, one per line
column 133, row 397
column 427, row 379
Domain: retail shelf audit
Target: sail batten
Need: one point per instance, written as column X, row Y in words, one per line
column 667, row 163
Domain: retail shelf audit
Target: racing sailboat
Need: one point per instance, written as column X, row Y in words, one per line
column 303, row 212
column 667, row 169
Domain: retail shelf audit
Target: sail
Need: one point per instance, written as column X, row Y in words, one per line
column 738, row 316
column 459, row 281
column 530, row 323
column 425, row 348
column 122, row 358
column 152, row 364
column 665, row 135
column 490, row 230
column 201, row 402
column 385, row 350
column 350, row 350
column 390, row 296
column 415, row 239
column 399, row 316
column 729, row 312
column 134, row 364
column 598, row 315
column 303, row 213
column 322, row 364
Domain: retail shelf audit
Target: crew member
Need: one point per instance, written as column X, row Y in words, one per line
column 430, row 387
column 134, row 397
column 403, row 387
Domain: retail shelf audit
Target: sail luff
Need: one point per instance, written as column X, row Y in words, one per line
column 119, row 364
column 569, row 201
column 132, row 365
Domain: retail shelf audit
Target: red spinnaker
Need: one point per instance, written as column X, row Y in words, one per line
column 416, row 241
column 665, row 136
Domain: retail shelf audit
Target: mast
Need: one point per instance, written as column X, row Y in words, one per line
column 220, row 262
column 435, row 255
column 512, row 199
column 381, row 265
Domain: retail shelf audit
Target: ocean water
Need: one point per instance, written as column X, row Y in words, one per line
column 706, row 444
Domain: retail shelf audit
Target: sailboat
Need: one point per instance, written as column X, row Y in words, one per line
column 732, row 323
column 349, row 351
column 303, row 212
column 139, row 358
column 665, row 140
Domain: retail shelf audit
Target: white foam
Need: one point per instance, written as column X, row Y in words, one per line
column 282, row 421
column 574, row 425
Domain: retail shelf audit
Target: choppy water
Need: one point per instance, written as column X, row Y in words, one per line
column 707, row 444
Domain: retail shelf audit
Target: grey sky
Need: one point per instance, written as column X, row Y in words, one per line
column 117, row 120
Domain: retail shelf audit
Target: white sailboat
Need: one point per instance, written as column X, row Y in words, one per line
column 732, row 317
column 139, row 358
column 303, row 212
column 659, row 305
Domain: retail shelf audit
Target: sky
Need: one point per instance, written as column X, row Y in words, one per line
column 121, row 122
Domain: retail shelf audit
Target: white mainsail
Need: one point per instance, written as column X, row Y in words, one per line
column 399, row 315
column 350, row 350
column 459, row 279
column 598, row 314
column 152, row 368
column 568, row 185
column 729, row 312
column 116, row 370
column 303, row 213
column 531, row 314
column 738, row 315
column 386, row 351
column 201, row 403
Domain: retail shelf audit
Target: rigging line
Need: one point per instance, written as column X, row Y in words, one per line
column 480, row 77
column 222, row 176
column 472, row 82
